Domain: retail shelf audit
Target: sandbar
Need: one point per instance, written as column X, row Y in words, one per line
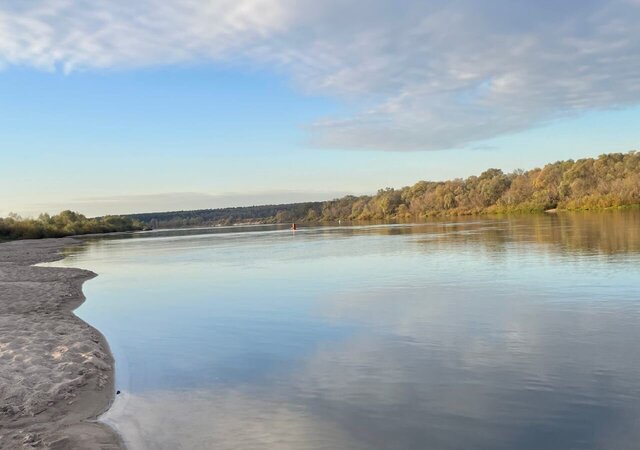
column 56, row 371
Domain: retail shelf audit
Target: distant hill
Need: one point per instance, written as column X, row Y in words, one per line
column 609, row 181
column 229, row 216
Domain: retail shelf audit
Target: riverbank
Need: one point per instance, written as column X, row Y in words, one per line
column 56, row 371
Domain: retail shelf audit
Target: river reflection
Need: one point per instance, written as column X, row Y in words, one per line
column 499, row 333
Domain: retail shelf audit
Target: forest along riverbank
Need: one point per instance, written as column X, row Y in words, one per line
column 56, row 371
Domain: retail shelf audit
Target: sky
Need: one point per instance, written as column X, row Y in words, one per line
column 119, row 107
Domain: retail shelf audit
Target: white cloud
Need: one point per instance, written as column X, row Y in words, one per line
column 84, row 34
column 419, row 75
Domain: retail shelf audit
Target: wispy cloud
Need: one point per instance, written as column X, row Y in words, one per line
column 419, row 75
column 174, row 201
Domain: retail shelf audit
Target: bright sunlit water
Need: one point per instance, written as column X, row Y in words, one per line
column 501, row 333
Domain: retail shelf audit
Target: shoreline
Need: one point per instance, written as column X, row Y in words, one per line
column 56, row 371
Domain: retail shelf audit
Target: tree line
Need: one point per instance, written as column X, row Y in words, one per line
column 609, row 181
column 227, row 216
column 67, row 223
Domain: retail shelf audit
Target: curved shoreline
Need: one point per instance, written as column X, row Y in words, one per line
column 56, row 371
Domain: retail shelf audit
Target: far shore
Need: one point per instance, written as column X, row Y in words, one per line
column 56, row 371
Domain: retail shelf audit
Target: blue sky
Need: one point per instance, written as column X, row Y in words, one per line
column 114, row 108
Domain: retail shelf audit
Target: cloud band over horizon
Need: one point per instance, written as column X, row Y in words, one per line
column 173, row 201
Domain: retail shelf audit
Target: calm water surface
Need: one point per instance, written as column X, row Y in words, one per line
column 517, row 333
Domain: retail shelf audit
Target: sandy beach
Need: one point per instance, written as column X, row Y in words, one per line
column 56, row 371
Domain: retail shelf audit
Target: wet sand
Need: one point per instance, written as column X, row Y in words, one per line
column 56, row 371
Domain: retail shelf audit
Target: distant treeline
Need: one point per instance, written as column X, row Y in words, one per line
column 67, row 223
column 228, row 216
column 609, row 181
